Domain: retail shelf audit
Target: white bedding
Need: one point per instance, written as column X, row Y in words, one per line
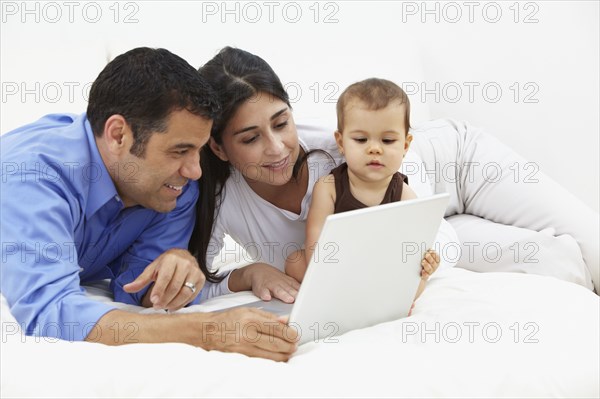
column 556, row 354
column 547, row 315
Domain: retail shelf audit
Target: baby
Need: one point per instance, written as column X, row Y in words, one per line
column 372, row 134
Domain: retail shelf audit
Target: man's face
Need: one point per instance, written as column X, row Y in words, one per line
column 171, row 159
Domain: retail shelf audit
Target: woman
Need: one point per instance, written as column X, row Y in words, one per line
column 262, row 200
column 260, row 173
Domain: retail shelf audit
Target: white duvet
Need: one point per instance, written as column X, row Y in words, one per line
column 535, row 333
column 470, row 335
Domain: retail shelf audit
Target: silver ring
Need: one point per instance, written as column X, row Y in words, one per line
column 191, row 286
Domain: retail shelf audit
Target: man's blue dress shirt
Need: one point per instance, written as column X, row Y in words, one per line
column 63, row 224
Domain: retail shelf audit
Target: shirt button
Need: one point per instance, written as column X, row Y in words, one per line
column 80, row 269
column 117, row 198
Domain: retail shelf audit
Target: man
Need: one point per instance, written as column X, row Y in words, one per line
column 111, row 194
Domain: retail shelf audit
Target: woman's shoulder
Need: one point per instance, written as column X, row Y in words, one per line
column 320, row 143
column 234, row 191
column 315, row 135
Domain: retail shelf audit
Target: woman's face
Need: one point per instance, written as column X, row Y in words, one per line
column 261, row 142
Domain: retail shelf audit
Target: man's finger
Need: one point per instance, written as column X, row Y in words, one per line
column 271, row 343
column 253, row 351
column 183, row 298
column 271, row 335
column 162, row 280
column 142, row 280
column 174, row 287
column 185, row 294
column 279, row 329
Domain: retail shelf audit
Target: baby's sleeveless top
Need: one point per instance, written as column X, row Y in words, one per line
column 345, row 201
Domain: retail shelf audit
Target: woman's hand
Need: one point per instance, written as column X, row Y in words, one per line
column 265, row 281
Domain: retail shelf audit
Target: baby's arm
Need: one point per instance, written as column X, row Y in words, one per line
column 407, row 193
column 321, row 206
column 295, row 264
column 431, row 260
column 429, row 265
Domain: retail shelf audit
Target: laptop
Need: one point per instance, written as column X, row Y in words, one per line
column 365, row 270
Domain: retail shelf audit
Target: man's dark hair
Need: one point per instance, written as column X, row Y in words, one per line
column 144, row 86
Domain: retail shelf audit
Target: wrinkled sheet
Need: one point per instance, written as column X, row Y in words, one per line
column 470, row 335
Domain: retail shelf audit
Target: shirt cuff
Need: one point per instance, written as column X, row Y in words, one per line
column 72, row 320
column 116, row 285
column 211, row 290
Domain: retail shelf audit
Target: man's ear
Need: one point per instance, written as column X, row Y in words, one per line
column 339, row 141
column 218, row 150
column 117, row 134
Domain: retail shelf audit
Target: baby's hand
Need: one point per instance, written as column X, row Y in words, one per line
column 429, row 264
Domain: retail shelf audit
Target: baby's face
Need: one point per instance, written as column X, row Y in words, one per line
column 374, row 142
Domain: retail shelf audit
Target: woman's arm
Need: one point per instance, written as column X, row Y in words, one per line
column 268, row 282
column 264, row 280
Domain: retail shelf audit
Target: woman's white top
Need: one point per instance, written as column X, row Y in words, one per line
column 262, row 232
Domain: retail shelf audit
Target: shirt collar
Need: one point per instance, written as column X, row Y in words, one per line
column 102, row 189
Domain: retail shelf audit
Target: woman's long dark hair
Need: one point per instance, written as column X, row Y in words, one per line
column 236, row 76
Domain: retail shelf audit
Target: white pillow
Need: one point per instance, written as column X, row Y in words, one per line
column 485, row 178
column 414, row 169
column 447, row 241
column 494, row 247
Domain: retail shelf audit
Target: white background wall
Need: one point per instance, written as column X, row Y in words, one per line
column 527, row 72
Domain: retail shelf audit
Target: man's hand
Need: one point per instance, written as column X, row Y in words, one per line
column 249, row 331
column 252, row 332
column 265, row 281
column 173, row 273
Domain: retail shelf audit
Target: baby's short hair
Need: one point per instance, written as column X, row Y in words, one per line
column 375, row 94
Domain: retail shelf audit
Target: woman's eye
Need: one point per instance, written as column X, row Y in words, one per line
column 250, row 140
column 281, row 125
